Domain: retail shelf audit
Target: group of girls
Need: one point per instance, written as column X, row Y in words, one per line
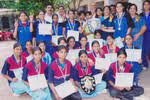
column 35, row 54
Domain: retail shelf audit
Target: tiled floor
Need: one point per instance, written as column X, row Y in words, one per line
column 6, row 94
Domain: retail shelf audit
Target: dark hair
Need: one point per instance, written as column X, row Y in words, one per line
column 121, row 4
column 98, row 31
column 29, row 41
column 54, row 15
column 17, row 44
column 113, row 6
column 60, row 39
column 95, row 42
column 110, row 36
column 122, row 51
column 40, row 42
column 129, row 35
column 71, row 10
column 36, row 49
column 71, row 37
column 146, row 1
column 62, row 7
column 89, row 12
column 133, row 5
column 82, row 52
column 22, row 12
column 41, row 11
column 48, row 4
column 81, row 12
column 83, row 36
column 61, row 47
column 106, row 7
column 96, row 16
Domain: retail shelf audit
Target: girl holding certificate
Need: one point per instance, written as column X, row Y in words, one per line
column 146, row 35
column 110, row 47
column 61, row 41
column 12, row 71
column 83, row 43
column 61, row 71
column 70, row 24
column 83, row 70
column 136, row 66
column 121, row 66
column 97, row 52
column 56, row 28
column 35, row 68
column 23, row 29
column 28, row 50
column 123, row 22
column 45, row 55
column 140, row 27
column 40, row 36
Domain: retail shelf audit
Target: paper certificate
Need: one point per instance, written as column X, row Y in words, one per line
column 45, row 29
column 102, row 63
column 73, row 33
column 133, row 54
column 73, row 55
column 55, row 39
column 124, row 79
column 118, row 42
column 112, row 57
column 18, row 73
column 29, row 58
column 37, row 82
column 65, row 89
column 98, row 78
column 101, row 42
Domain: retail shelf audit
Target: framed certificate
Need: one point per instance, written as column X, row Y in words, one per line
column 124, row 79
column 73, row 33
column 118, row 42
column 55, row 39
column 112, row 57
column 133, row 54
column 18, row 73
column 45, row 29
column 37, row 82
column 98, row 78
column 65, row 89
column 73, row 55
column 29, row 58
column 102, row 63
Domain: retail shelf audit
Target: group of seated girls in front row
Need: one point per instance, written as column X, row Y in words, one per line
column 59, row 70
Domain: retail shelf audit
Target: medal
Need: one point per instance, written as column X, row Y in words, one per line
column 119, row 20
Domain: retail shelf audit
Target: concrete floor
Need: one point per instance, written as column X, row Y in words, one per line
column 6, row 94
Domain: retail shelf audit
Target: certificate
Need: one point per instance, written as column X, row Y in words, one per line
column 102, row 63
column 73, row 55
column 101, row 42
column 112, row 57
column 118, row 42
column 133, row 54
column 29, row 58
column 55, row 39
column 94, row 24
column 124, row 79
column 65, row 89
column 37, row 82
column 45, row 29
column 18, row 73
column 98, row 78
column 73, row 33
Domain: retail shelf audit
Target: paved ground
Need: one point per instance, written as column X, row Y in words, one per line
column 6, row 94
